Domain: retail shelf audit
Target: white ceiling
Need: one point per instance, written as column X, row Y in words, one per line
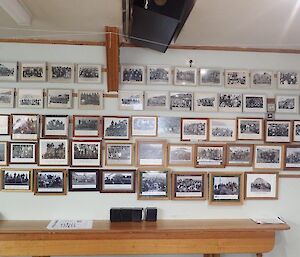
column 241, row 23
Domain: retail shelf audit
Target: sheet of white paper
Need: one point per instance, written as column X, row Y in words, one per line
column 70, row 224
column 271, row 220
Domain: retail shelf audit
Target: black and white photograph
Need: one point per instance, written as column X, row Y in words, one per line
column 89, row 73
column 32, row 72
column 292, row 157
column 50, row 181
column 54, row 152
column 239, row 155
column 180, row 155
column 151, row 153
column 131, row 100
column 115, row 127
column 211, row 77
column 144, row 126
column 288, row 79
column 63, row 73
column 254, row 103
column 30, row 98
column 59, row 98
column 86, row 126
column 250, row 128
column 222, row 130
column 287, row 104
column 8, row 71
column 7, row 97
column 133, row 74
column 3, row 154
column 86, row 153
column 296, row 131
column 17, row 179
column 185, row 76
column 153, row 184
column 168, row 127
column 229, row 102
column 237, row 78
column 119, row 154
column 83, row 179
column 210, row 156
column 22, row 153
column 262, row 79
column 157, row 100
column 90, row 99
column 181, row 101
column 194, row 129
column 159, row 74
column 278, row 131
column 261, row 185
column 205, row 102
column 4, row 124
column 117, row 181
column 268, row 157
column 56, row 126
column 188, row 185
column 25, row 126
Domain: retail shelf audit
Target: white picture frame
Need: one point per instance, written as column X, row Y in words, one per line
column 90, row 99
column 159, row 74
column 157, row 100
column 261, row 79
column 181, row 101
column 61, row 72
column 145, row 126
column 236, row 79
column 222, row 130
column 211, row 77
column 254, row 103
column 288, row 79
column 8, row 71
column 230, row 102
column 30, row 98
column 133, row 74
column 287, row 103
column 89, row 73
column 7, row 97
column 131, row 100
column 205, row 102
column 32, row 72
column 185, row 76
column 59, row 98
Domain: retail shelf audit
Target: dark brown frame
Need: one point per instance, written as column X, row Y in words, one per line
column 70, row 176
column 284, row 156
column 86, row 116
column 54, row 136
column 118, row 117
column 21, row 114
column 6, row 155
column 294, row 130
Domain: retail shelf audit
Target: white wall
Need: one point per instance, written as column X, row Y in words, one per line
column 93, row 205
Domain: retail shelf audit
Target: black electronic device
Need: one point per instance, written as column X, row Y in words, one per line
column 126, row 214
column 151, row 214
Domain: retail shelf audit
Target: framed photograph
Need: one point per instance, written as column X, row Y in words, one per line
column 250, row 129
column 17, row 179
column 230, row 102
column 117, row 181
column 237, row 78
column 90, row 99
column 153, row 184
column 8, row 71
column 170, row 127
column 50, row 181
column 226, row 188
column 119, row 154
column 210, row 156
column 254, row 103
column 54, row 152
column 56, row 126
column 83, row 179
column 189, row 186
column 7, row 97
column 3, row 154
column 288, row 79
column 278, row 131
column 239, row 155
column 59, row 98
column 131, row 100
column 116, row 127
column 30, row 98
column 268, row 157
column 4, row 125
column 144, row 126
column 205, row 102
column 181, row 101
column 86, row 153
column 132, row 74
column 194, row 129
column 89, row 73
column 211, row 77
column 185, row 76
column 159, row 74
column 296, row 131
column 86, row 126
column 261, row 185
column 32, row 72
column 262, row 79
column 287, row 103
column 22, row 153
column 180, row 155
column 61, row 72
column 151, row 152
column 25, row 126
column 157, row 100
column 292, row 157
column 222, row 130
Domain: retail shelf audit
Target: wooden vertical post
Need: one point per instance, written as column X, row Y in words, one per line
column 112, row 58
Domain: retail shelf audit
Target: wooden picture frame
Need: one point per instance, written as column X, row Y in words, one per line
column 254, row 103
column 5, row 124
column 90, row 99
column 144, row 126
column 168, row 127
column 292, row 157
column 211, row 77
column 205, row 102
column 86, row 153
column 210, row 156
column 23, row 152
column 194, row 129
column 119, row 154
column 116, row 127
column 8, row 71
column 278, row 131
column 159, row 74
column 262, row 79
column 53, row 152
column 185, row 76
column 89, row 73
column 30, row 98
column 296, row 131
column 25, row 126
column 32, row 72
column 3, row 153
column 16, row 179
column 86, row 126
column 250, row 128
column 133, row 74
column 55, row 126
column 81, row 180
column 131, row 100
column 230, row 102
column 181, row 101
column 288, row 79
column 157, row 100
column 287, row 104
column 61, row 72
column 7, row 97
column 222, row 130
column 268, row 157
column 59, row 98
column 237, row 79
column 239, row 155
column 181, row 155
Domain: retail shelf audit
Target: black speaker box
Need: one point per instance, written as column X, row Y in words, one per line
column 151, row 214
column 115, row 214
column 126, row 214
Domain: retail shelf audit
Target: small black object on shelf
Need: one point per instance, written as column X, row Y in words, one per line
column 126, row 214
column 151, row 214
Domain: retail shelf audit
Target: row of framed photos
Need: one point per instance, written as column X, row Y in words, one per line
column 61, row 98
column 205, row 102
column 152, row 184
column 144, row 153
column 188, row 76
column 57, row 72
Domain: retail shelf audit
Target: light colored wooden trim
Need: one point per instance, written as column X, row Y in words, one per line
column 289, row 175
